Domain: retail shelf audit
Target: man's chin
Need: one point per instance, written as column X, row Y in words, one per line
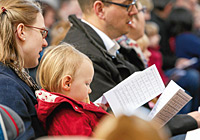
column 126, row 32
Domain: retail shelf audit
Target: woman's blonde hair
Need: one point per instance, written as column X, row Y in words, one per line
column 57, row 62
column 148, row 4
column 15, row 12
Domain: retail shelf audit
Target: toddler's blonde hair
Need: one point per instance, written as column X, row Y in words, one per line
column 151, row 28
column 57, row 62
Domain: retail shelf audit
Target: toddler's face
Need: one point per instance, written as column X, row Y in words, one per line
column 154, row 40
column 80, row 86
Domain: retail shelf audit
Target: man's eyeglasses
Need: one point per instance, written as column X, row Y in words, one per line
column 129, row 7
column 43, row 31
column 143, row 9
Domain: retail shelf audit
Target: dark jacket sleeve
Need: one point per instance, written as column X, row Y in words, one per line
column 180, row 124
column 109, row 70
column 105, row 77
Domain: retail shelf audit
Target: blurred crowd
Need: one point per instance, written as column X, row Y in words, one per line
column 169, row 29
column 93, row 45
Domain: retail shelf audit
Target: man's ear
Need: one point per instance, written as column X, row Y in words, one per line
column 99, row 9
column 21, row 32
column 66, row 82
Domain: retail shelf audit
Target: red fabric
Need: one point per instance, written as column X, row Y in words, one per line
column 65, row 116
column 156, row 58
column 172, row 44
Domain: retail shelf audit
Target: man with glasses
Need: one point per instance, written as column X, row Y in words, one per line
column 128, row 7
column 136, row 32
column 93, row 35
column 102, row 22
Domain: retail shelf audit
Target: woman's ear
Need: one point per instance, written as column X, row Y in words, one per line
column 66, row 82
column 21, row 32
column 99, row 9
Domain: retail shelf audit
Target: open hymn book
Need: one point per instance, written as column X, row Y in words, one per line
column 141, row 87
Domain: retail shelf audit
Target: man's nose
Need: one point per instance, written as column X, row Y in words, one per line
column 134, row 11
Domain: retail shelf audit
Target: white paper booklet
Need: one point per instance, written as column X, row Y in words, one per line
column 169, row 104
column 134, row 91
column 193, row 135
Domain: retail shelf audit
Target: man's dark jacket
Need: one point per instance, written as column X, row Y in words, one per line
column 110, row 70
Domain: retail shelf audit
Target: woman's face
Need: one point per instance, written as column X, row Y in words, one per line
column 33, row 43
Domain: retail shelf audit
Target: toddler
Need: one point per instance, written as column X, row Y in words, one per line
column 152, row 31
column 63, row 106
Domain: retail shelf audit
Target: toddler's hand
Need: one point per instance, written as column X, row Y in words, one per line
column 103, row 106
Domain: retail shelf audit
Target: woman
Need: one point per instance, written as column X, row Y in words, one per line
column 22, row 36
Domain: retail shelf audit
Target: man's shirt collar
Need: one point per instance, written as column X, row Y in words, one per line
column 111, row 45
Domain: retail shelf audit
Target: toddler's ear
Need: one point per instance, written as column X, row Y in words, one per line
column 66, row 82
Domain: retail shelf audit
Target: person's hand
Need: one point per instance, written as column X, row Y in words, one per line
column 103, row 106
column 182, row 62
column 196, row 116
